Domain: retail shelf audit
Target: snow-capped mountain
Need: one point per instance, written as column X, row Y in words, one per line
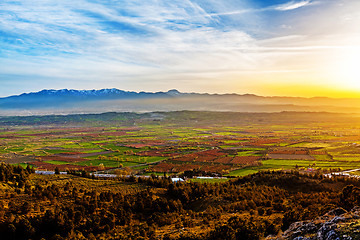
column 50, row 97
column 109, row 92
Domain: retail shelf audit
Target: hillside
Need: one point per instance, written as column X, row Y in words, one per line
column 81, row 207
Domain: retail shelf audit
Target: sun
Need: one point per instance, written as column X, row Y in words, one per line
column 347, row 69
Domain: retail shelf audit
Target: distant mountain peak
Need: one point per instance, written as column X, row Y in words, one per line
column 250, row 95
column 173, row 92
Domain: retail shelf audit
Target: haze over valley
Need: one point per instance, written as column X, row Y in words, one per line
column 113, row 100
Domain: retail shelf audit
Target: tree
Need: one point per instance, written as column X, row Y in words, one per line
column 26, row 208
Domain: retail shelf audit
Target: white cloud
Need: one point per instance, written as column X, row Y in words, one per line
column 282, row 7
column 179, row 41
column 292, row 5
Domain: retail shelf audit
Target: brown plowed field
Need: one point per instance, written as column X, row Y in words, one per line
column 246, row 160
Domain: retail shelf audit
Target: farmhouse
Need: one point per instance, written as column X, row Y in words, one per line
column 177, row 180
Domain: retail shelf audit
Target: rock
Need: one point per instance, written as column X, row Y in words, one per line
column 337, row 224
column 331, row 235
column 300, row 228
column 301, row 238
column 355, row 209
column 336, row 212
column 337, row 219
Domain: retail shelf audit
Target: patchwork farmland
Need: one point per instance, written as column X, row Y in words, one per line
column 231, row 144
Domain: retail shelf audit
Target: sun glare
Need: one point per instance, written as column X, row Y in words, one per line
column 347, row 69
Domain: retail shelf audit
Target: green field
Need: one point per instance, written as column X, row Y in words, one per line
column 57, row 162
column 243, row 172
column 208, row 141
column 290, row 164
column 106, row 163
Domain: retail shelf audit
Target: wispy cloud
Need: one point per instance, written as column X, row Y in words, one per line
column 152, row 44
column 292, row 5
column 157, row 34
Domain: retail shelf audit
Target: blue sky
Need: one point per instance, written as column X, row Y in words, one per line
column 192, row 45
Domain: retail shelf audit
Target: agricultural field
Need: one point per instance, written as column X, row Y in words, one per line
column 224, row 144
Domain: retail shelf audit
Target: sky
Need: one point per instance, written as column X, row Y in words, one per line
column 267, row 47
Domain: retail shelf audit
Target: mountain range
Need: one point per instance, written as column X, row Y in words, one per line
column 48, row 97
column 66, row 101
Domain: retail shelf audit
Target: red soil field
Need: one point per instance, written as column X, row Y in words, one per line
column 155, row 153
column 318, row 153
column 204, row 156
column 137, row 145
column 131, row 129
column 170, row 167
column 246, row 160
column 225, row 160
column 216, row 168
column 120, row 133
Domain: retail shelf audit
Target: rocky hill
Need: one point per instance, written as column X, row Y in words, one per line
column 337, row 224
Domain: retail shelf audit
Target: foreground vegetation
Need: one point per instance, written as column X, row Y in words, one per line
column 252, row 207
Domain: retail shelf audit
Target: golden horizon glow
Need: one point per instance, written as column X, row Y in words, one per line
column 309, row 91
column 333, row 72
